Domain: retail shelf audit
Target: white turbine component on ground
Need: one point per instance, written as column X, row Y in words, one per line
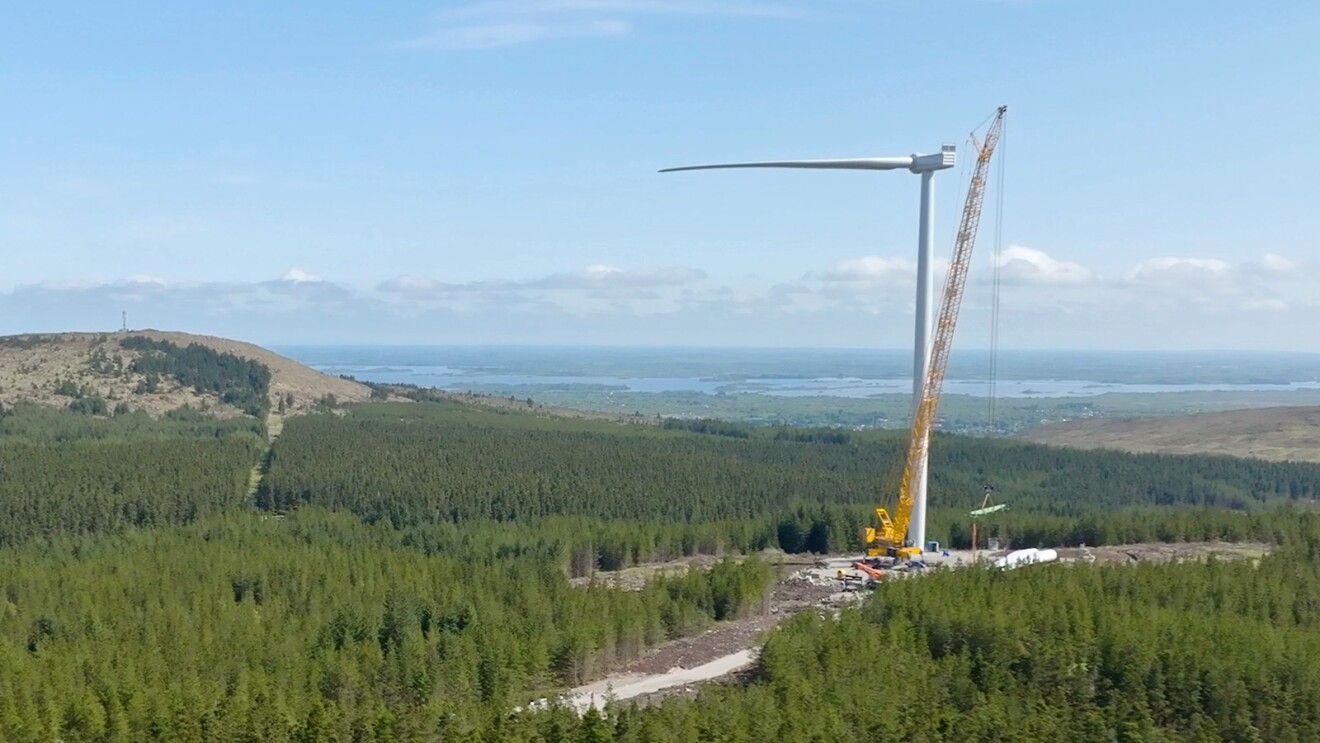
column 925, row 166
column 1031, row 556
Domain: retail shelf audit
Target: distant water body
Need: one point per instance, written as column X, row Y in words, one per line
column 800, row 373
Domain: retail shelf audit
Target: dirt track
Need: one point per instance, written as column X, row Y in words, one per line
column 681, row 667
column 722, row 653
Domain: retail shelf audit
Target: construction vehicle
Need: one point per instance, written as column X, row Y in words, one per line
column 869, row 572
column 861, row 576
column 890, row 538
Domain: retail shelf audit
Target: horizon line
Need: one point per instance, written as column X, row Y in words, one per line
column 734, row 348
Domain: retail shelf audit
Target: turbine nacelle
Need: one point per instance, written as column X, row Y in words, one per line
column 946, row 158
column 925, row 166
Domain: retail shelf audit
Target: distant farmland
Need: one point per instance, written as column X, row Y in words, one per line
column 1275, row 434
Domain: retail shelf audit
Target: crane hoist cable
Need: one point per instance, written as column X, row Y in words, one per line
column 998, row 265
column 890, row 537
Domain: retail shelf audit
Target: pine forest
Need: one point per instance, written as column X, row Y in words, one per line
column 428, row 571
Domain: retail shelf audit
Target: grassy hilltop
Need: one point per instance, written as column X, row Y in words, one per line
column 156, row 372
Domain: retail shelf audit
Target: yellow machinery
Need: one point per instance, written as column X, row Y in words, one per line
column 890, row 538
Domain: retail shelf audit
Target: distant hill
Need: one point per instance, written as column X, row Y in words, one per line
column 1276, row 434
column 59, row 368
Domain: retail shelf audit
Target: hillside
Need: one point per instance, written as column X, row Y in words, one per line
column 48, row 368
column 1275, row 434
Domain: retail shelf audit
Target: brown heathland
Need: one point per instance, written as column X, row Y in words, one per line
column 1276, row 434
column 32, row 366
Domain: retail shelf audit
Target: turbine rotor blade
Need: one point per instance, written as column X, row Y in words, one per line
column 861, row 163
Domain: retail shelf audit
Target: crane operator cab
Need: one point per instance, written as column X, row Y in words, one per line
column 884, row 542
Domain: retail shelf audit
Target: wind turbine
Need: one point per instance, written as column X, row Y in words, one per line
column 925, row 166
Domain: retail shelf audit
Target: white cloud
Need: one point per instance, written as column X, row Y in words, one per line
column 1019, row 264
column 1277, row 263
column 298, row 276
column 1183, row 270
column 871, row 269
column 594, row 289
column 1275, row 267
column 1214, row 286
column 595, row 277
column 147, row 279
column 1180, row 301
column 486, row 8
column 488, row 24
column 411, row 285
column 591, row 278
column 491, row 35
column 58, row 285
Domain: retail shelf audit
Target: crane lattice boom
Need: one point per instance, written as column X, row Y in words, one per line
column 890, row 537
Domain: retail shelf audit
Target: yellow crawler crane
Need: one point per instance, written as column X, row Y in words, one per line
column 890, row 539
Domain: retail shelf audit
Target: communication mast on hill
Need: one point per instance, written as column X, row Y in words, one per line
column 124, row 327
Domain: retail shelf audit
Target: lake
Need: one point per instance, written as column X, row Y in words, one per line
column 504, row 370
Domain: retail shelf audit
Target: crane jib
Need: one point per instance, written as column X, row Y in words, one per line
column 892, row 534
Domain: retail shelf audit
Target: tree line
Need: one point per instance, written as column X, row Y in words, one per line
column 635, row 493
column 317, row 627
column 241, row 382
column 63, row 473
column 407, row 465
column 311, row 628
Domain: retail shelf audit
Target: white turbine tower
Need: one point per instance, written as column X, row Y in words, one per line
column 925, row 166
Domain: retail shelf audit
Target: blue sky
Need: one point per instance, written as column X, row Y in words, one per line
column 484, row 171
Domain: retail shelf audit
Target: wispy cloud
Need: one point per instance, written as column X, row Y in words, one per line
column 487, row 8
column 298, row 276
column 495, row 23
column 591, row 286
column 1258, row 302
column 595, row 277
column 490, row 35
column 870, row 270
column 1019, row 264
column 79, row 187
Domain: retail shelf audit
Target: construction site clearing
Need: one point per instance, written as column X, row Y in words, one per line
column 726, row 653
column 851, row 573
